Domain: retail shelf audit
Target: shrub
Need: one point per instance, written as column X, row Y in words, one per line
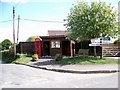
column 58, row 57
column 19, row 55
column 35, row 57
column 6, row 44
column 7, row 56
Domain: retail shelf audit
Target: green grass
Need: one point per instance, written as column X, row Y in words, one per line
column 23, row 60
column 87, row 60
column 7, row 57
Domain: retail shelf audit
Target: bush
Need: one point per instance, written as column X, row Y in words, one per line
column 6, row 44
column 7, row 56
column 58, row 57
column 35, row 57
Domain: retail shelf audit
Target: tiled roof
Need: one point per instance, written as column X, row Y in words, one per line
column 57, row 33
column 59, row 36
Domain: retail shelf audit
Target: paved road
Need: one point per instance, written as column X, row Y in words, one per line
column 0, row 62
column 20, row 76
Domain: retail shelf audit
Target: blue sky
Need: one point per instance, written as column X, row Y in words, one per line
column 47, row 10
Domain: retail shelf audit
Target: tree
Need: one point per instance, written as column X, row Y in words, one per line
column 0, row 46
column 6, row 44
column 86, row 21
column 117, row 41
column 32, row 38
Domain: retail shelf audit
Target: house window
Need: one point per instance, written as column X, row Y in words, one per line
column 55, row 44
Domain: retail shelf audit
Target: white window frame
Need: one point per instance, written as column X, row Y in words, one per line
column 55, row 44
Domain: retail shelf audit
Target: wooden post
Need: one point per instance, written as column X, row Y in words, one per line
column 14, row 45
column 95, row 54
column 101, row 52
column 18, row 29
column 74, row 49
column 71, row 49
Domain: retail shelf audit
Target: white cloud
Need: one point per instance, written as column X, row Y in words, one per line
column 14, row 1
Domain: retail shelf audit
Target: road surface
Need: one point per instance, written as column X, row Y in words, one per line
column 19, row 76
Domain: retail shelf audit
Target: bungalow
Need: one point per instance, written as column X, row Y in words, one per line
column 55, row 43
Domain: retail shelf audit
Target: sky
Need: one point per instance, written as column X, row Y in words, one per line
column 43, row 10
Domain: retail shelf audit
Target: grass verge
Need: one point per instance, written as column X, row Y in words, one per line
column 7, row 57
column 23, row 59
column 87, row 60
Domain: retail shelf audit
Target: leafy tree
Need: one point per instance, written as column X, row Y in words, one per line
column 6, row 44
column 86, row 21
column 32, row 38
column 117, row 41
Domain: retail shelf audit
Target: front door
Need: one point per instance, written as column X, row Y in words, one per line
column 46, row 47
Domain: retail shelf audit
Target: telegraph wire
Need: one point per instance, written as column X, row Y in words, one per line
column 43, row 21
column 5, row 21
column 33, row 21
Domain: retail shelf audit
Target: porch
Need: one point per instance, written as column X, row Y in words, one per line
column 52, row 45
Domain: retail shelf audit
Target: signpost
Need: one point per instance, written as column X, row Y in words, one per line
column 97, row 42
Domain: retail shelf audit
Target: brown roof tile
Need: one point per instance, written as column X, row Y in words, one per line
column 57, row 32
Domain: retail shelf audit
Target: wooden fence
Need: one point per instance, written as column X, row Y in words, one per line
column 111, row 50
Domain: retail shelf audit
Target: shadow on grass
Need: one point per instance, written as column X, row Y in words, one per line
column 74, row 60
column 81, row 60
column 46, row 62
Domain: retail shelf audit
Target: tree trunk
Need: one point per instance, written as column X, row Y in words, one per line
column 95, row 54
column 81, row 45
column 101, row 53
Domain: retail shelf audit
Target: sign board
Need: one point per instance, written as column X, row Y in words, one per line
column 94, row 45
column 96, row 42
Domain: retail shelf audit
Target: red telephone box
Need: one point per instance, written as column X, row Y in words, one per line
column 37, row 46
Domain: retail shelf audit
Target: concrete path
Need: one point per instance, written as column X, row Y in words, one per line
column 48, row 64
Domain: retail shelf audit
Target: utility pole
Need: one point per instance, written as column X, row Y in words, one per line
column 14, row 44
column 18, row 29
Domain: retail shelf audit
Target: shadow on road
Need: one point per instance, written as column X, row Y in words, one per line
column 44, row 62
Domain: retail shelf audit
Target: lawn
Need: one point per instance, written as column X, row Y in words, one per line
column 87, row 60
column 7, row 57
column 23, row 59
